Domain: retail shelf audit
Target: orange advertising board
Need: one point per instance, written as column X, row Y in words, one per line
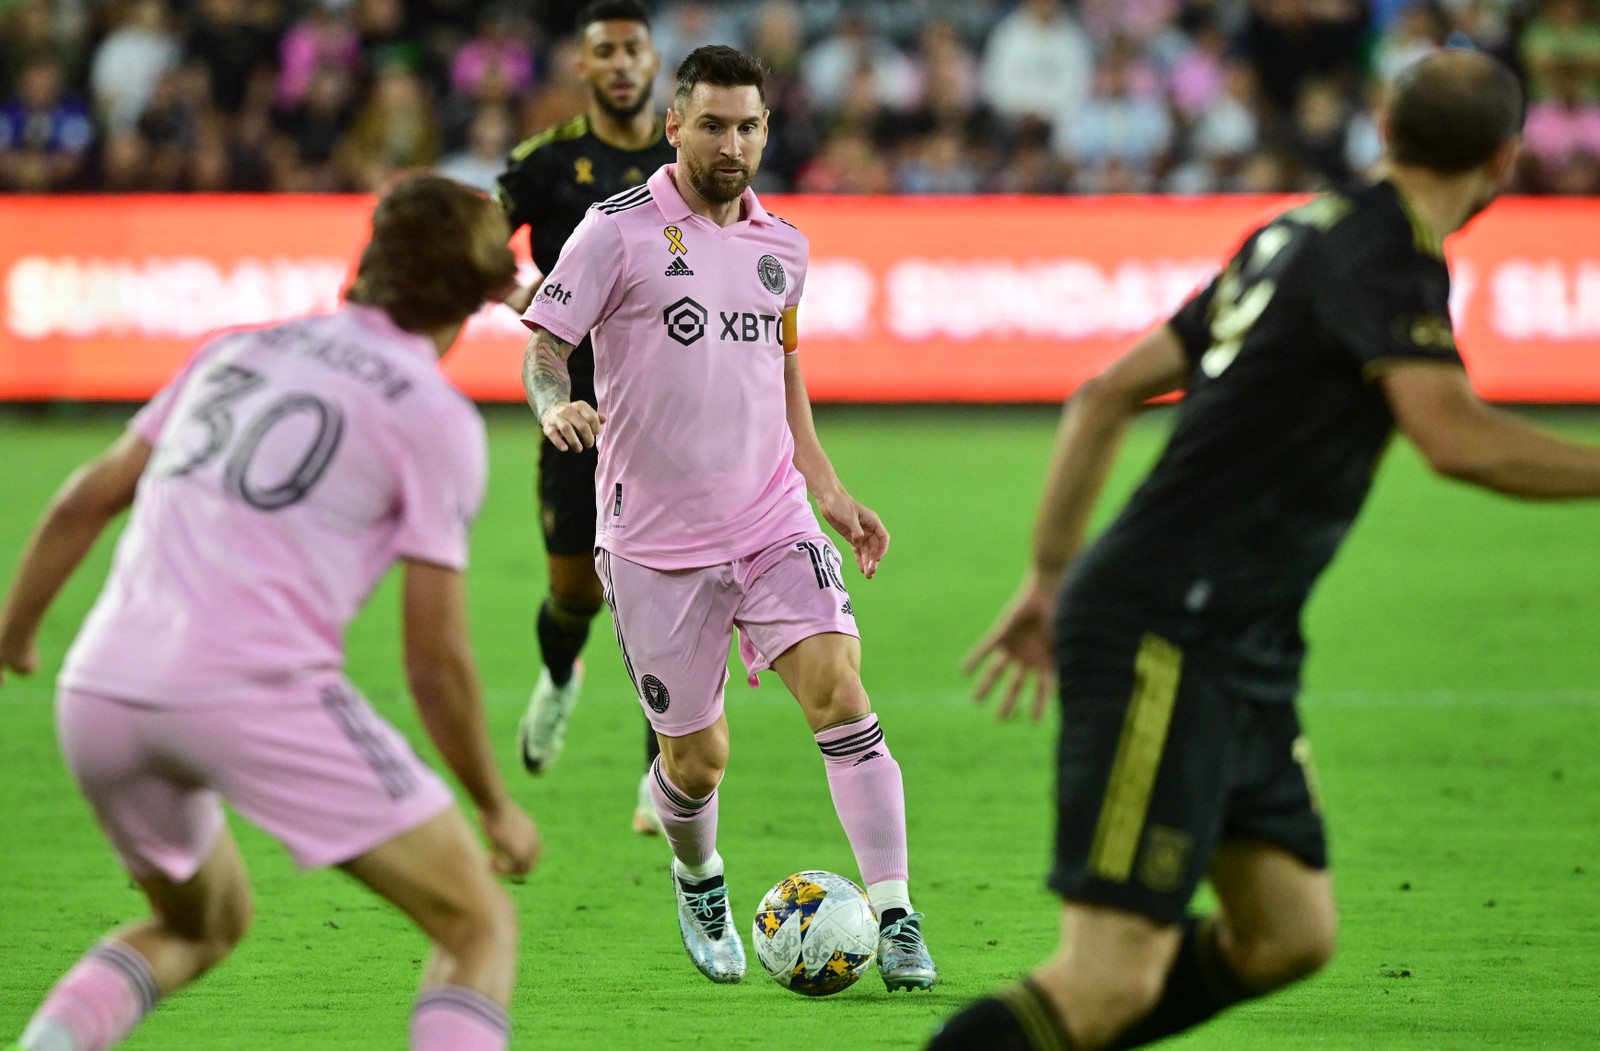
column 952, row 299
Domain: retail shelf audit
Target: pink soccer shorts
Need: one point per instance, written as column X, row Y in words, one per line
column 317, row 768
column 674, row 626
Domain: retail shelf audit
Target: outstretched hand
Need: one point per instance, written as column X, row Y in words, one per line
column 1016, row 650
column 860, row 526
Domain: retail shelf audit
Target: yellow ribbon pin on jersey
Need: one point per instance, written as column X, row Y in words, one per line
column 675, row 239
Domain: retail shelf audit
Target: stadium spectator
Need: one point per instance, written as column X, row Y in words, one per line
column 1143, row 21
column 386, row 41
column 232, row 45
column 858, row 54
column 939, row 163
column 28, row 29
column 1197, row 74
column 562, row 96
column 1118, row 140
column 1418, row 31
column 1032, row 168
column 777, row 38
column 170, row 124
column 947, row 70
column 1562, row 135
column 1222, row 136
column 394, row 130
column 1037, row 65
column 849, row 163
column 1321, row 121
column 1563, row 33
column 489, row 140
column 1289, row 41
column 496, row 54
column 1485, row 24
column 45, row 133
column 322, row 39
column 131, row 62
column 678, row 28
column 125, row 164
column 312, row 131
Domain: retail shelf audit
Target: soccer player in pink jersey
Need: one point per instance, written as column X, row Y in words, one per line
column 690, row 290
column 272, row 483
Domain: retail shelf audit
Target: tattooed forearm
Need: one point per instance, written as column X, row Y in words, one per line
column 545, row 380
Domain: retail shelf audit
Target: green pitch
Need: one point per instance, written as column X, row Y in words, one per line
column 1453, row 705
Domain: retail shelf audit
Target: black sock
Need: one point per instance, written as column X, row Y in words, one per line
column 700, row 886
column 1016, row 1019
column 563, row 629
column 652, row 747
column 1199, row 987
column 890, row 915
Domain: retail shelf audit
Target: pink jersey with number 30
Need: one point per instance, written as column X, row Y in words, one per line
column 696, row 459
column 292, row 466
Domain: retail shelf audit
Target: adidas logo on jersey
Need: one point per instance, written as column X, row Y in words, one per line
column 679, row 269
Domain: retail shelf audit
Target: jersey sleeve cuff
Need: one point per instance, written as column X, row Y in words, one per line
column 532, row 319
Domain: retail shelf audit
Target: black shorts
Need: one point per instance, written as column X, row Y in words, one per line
column 566, row 479
column 1161, row 759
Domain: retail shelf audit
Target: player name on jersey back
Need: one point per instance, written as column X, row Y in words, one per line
column 290, row 467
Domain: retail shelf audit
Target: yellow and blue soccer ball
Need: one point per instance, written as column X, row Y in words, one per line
column 816, row 933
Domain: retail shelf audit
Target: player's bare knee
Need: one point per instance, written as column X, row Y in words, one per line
column 842, row 700
column 697, row 772
column 483, row 920
column 1267, row 961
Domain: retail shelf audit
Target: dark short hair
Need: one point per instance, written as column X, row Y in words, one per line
column 612, row 11
column 720, row 66
column 438, row 249
column 1450, row 112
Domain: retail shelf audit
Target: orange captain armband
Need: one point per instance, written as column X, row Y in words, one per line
column 791, row 329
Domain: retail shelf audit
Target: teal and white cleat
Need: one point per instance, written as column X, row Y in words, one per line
column 903, row 957
column 543, row 729
column 709, row 934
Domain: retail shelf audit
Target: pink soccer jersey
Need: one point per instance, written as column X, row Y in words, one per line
column 292, row 466
column 696, row 459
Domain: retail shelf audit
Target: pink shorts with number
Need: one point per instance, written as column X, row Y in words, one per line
column 674, row 626
column 322, row 772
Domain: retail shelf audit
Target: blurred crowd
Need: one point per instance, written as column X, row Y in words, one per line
column 868, row 96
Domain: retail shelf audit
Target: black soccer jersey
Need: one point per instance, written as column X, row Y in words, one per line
column 555, row 176
column 1279, row 433
column 551, row 180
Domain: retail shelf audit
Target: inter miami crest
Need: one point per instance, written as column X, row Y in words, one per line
column 655, row 693
column 772, row 276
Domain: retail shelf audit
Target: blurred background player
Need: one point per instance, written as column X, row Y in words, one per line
column 692, row 292
column 272, row 482
column 553, row 179
column 1177, row 633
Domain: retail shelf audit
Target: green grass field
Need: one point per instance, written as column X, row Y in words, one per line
column 1452, row 698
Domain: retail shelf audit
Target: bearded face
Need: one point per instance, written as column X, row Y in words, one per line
column 720, row 133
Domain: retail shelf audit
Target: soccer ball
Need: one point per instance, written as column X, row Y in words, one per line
column 816, row 933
